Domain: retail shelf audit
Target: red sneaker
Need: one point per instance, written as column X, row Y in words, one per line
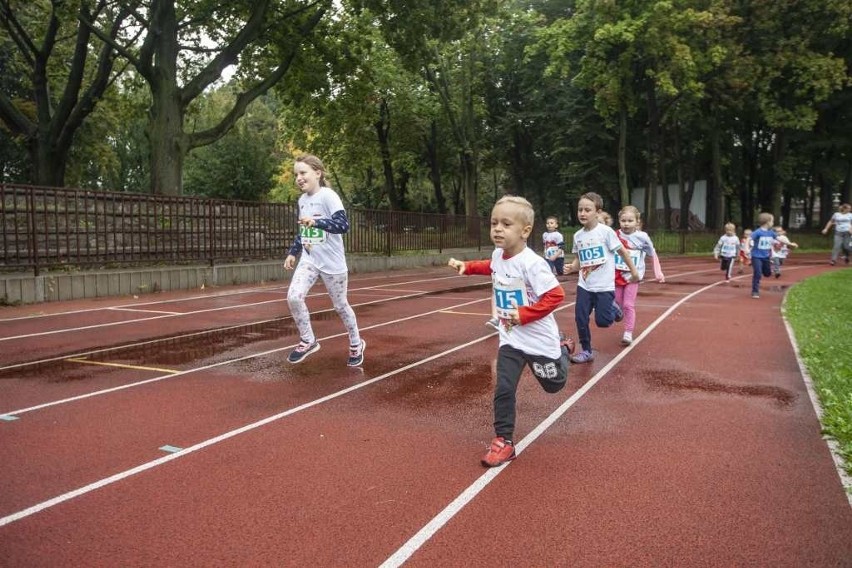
column 499, row 453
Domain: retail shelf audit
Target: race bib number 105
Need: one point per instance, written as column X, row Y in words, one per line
column 592, row 255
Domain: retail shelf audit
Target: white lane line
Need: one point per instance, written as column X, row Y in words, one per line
column 221, row 438
column 214, row 365
column 122, row 309
column 194, row 312
column 437, row 522
column 253, row 290
column 215, row 330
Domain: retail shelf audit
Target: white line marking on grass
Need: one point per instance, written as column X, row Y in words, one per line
column 442, row 518
column 221, row 438
column 833, row 446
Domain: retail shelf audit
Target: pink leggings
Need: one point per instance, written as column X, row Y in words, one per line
column 625, row 296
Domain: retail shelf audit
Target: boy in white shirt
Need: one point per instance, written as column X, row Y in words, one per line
column 595, row 246
column 726, row 248
column 525, row 294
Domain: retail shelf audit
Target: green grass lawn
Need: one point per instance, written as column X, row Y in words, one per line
column 819, row 312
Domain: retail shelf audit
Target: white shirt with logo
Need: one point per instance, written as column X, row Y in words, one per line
column 640, row 246
column 322, row 249
column 842, row 221
column 595, row 250
column 524, row 278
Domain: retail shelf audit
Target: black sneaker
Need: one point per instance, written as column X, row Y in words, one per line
column 302, row 350
column 356, row 354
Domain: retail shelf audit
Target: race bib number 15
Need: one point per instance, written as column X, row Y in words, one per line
column 509, row 295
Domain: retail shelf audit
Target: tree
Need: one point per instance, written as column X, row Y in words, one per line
column 64, row 79
column 175, row 58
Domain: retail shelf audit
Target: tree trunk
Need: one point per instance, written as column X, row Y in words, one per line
column 716, row 190
column 779, row 176
column 435, row 168
column 653, row 158
column 664, row 184
column 624, row 190
column 382, row 126
column 167, row 140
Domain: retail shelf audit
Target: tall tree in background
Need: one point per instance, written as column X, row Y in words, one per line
column 64, row 76
column 187, row 48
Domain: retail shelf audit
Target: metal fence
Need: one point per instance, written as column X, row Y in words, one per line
column 44, row 228
column 49, row 228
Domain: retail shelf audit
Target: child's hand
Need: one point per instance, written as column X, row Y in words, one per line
column 307, row 221
column 634, row 276
column 513, row 316
column 456, row 265
column 567, row 269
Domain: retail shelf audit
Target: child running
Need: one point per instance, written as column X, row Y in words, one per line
column 525, row 292
column 322, row 221
column 745, row 250
column 762, row 241
column 726, row 248
column 638, row 246
column 554, row 246
column 780, row 249
column 595, row 246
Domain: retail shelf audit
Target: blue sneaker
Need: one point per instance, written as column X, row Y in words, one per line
column 356, row 354
column 619, row 313
column 302, row 350
column 583, row 357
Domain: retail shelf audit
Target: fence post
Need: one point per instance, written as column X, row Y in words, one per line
column 211, row 247
column 31, row 229
column 388, row 230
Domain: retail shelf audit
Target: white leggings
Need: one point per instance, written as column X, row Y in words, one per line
column 304, row 278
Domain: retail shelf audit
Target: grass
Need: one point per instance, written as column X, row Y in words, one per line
column 818, row 312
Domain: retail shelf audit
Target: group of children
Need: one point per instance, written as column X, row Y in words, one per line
column 526, row 291
column 765, row 249
column 610, row 265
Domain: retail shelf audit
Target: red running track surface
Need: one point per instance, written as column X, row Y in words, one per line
column 696, row 446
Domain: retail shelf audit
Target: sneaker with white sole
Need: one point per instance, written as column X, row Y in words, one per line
column 627, row 338
column 493, row 322
column 583, row 357
column 302, row 350
column 500, row 451
column 356, row 354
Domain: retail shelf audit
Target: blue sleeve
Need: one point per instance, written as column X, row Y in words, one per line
column 296, row 247
column 338, row 224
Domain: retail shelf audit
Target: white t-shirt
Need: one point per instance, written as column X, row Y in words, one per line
column 595, row 250
column 524, row 278
column 322, row 249
column 552, row 240
column 728, row 246
column 780, row 249
column 842, row 221
column 640, row 247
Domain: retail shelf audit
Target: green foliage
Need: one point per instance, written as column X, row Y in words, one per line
column 819, row 315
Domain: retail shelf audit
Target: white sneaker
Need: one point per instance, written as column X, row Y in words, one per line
column 627, row 338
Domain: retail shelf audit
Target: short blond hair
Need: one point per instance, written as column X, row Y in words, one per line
column 631, row 209
column 730, row 226
column 765, row 218
column 526, row 213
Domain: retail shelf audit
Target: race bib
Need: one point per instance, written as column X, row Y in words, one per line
column 635, row 256
column 592, row 256
column 507, row 292
column 551, row 252
column 311, row 235
column 729, row 250
column 765, row 243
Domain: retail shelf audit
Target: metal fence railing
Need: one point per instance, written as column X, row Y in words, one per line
column 48, row 228
column 44, row 228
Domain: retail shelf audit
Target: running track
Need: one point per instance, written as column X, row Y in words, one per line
column 169, row 430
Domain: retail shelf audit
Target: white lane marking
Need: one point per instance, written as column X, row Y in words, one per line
column 222, row 437
column 123, row 309
column 218, row 364
column 428, row 531
column 217, row 330
column 194, row 312
column 833, row 446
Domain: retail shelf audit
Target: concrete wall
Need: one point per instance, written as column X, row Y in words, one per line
column 57, row 286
